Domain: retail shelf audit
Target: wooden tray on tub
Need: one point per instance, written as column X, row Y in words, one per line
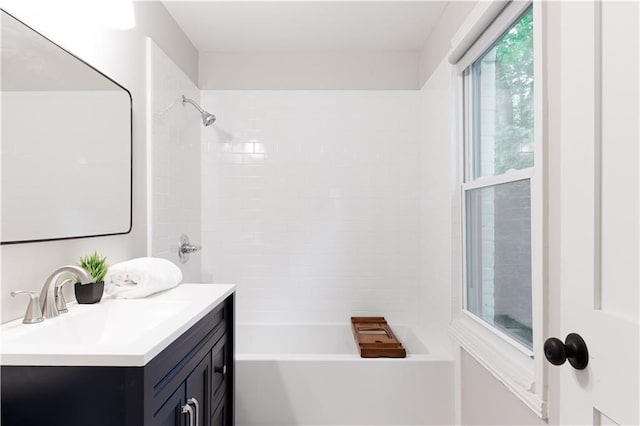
column 375, row 338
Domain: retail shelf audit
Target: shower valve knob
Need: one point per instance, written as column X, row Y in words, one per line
column 189, row 248
column 185, row 248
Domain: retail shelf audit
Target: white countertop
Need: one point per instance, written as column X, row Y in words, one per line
column 113, row 332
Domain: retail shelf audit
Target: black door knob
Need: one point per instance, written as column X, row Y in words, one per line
column 573, row 349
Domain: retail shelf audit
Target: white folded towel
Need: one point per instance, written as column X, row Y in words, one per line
column 141, row 277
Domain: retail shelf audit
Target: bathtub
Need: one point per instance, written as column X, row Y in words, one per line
column 313, row 375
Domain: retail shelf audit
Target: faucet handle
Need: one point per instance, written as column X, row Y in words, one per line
column 61, row 303
column 34, row 310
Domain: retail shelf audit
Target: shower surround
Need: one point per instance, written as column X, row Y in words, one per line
column 173, row 166
column 311, row 203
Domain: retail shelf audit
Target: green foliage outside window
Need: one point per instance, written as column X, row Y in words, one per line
column 504, row 76
column 514, row 84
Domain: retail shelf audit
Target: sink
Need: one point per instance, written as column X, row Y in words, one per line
column 111, row 322
column 113, row 332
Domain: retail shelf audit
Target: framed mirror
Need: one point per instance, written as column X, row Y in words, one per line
column 66, row 143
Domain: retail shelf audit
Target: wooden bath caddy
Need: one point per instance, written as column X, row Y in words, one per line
column 375, row 338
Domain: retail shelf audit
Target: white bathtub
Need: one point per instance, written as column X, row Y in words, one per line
column 313, row 375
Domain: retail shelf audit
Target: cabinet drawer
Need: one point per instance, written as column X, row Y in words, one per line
column 219, row 361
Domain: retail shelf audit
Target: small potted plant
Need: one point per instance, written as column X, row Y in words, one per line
column 97, row 266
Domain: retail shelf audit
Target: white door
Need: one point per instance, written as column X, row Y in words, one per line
column 599, row 209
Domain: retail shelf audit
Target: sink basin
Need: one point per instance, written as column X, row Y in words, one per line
column 111, row 322
column 114, row 332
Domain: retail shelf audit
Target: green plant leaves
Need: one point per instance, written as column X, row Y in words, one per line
column 96, row 265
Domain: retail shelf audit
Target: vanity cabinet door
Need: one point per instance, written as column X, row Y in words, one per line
column 169, row 414
column 220, row 415
column 198, row 386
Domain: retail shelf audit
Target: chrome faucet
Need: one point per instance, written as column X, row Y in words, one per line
column 61, row 304
column 48, row 292
column 33, row 314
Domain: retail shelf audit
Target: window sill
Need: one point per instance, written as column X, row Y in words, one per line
column 504, row 361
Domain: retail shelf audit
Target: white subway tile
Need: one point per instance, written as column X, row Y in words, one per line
column 322, row 210
column 175, row 163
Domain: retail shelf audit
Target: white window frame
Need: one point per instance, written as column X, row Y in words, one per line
column 521, row 370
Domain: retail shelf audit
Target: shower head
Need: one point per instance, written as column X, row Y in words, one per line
column 207, row 118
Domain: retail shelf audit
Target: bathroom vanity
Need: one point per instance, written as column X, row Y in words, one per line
column 164, row 360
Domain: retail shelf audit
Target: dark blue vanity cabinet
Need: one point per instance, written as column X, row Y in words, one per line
column 197, row 366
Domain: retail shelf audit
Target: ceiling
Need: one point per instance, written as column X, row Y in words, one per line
column 306, row 26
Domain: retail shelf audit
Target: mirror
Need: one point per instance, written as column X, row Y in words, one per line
column 65, row 145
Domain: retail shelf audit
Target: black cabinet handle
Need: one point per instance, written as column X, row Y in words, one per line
column 220, row 370
column 573, row 349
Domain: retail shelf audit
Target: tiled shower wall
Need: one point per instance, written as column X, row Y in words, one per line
column 174, row 165
column 310, row 203
column 437, row 225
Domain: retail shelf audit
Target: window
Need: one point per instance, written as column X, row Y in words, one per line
column 500, row 202
column 496, row 190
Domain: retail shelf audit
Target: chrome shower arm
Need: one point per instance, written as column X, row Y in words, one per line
column 192, row 102
column 207, row 118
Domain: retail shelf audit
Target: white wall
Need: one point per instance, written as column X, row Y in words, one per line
column 438, row 44
column 121, row 56
column 486, row 401
column 174, row 154
column 311, row 203
column 435, row 204
column 392, row 70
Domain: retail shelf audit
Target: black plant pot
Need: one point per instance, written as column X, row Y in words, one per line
column 89, row 293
